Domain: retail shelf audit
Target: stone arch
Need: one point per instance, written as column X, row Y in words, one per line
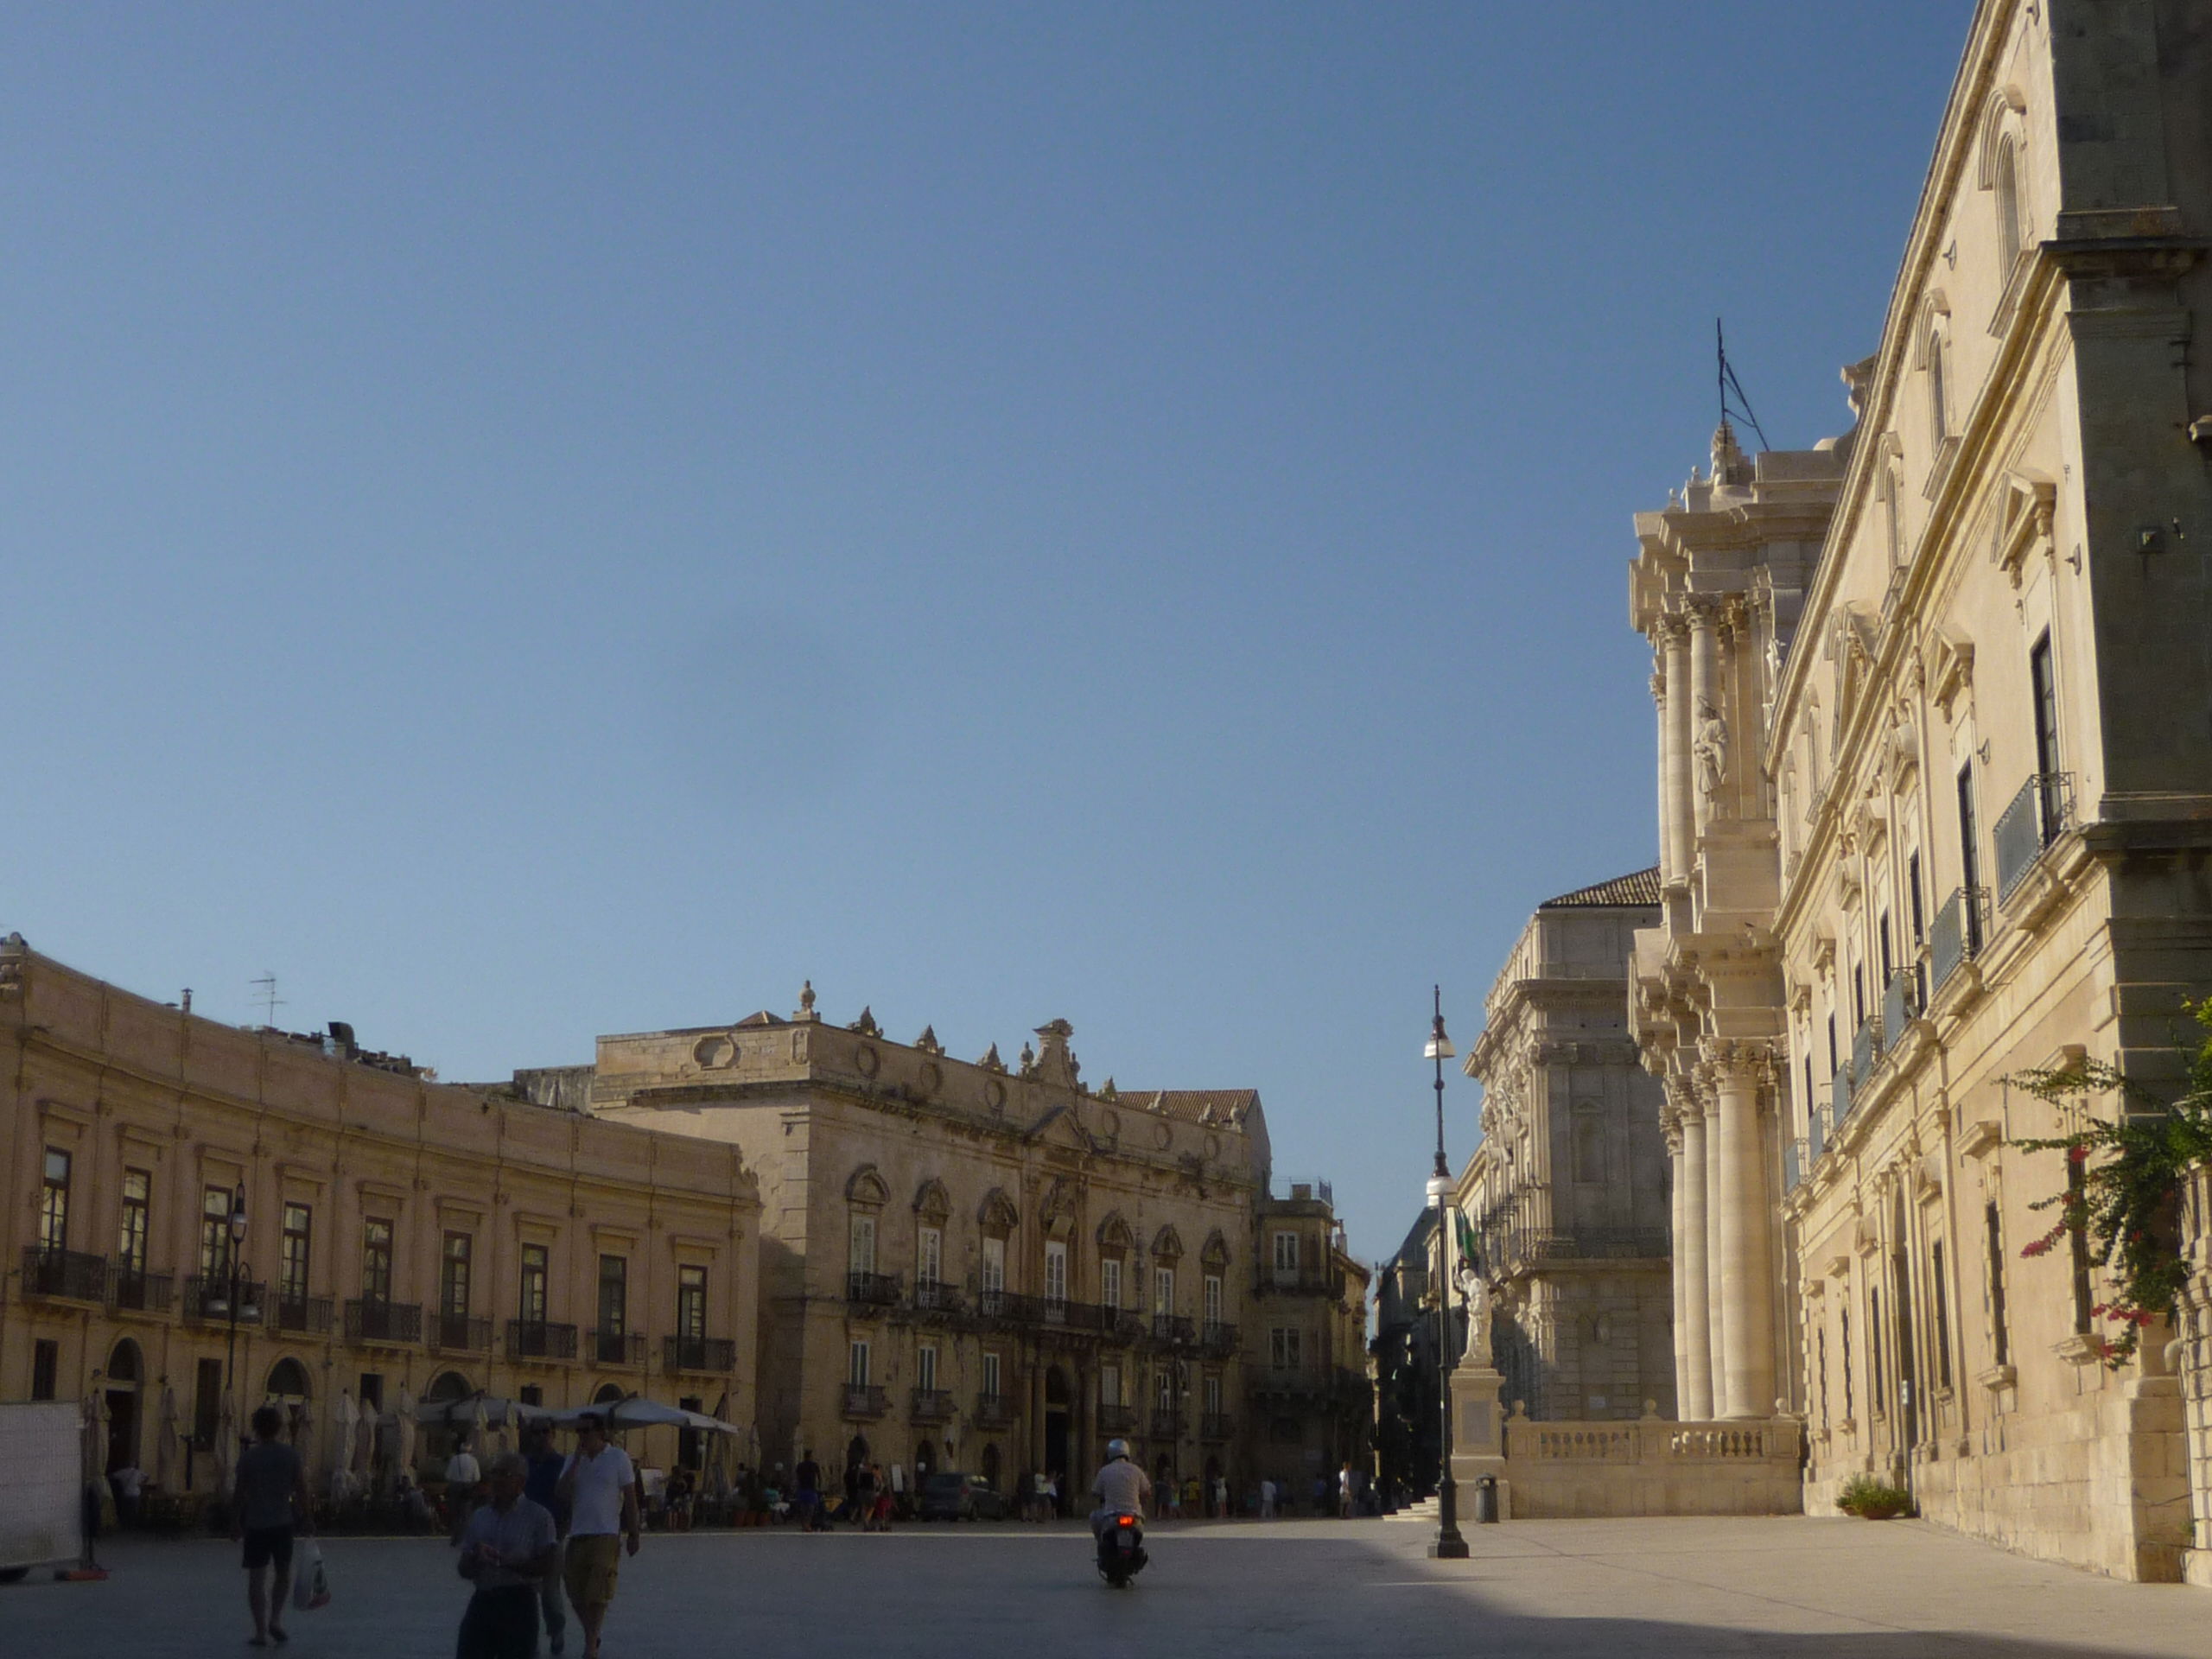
column 1168, row 1244
column 1216, row 1253
column 932, row 1202
column 124, row 1364
column 287, row 1380
column 866, row 1187
column 1999, row 121
column 448, row 1385
column 607, row 1394
column 1113, row 1235
column 996, row 1213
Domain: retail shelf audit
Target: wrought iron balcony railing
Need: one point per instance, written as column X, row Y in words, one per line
column 930, row 1405
column 457, row 1334
column 539, row 1339
column 2039, row 815
column 1955, row 937
column 993, row 1411
column 935, row 1296
column 1793, row 1164
column 873, row 1289
column 129, row 1290
column 1816, row 1133
column 1218, row 1338
column 310, row 1315
column 864, row 1401
column 1865, row 1049
column 1216, row 1425
column 717, row 1354
column 70, row 1275
column 1118, row 1420
column 1839, row 1098
column 622, row 1348
column 368, row 1320
column 1166, row 1425
column 207, row 1299
column 1173, row 1327
column 1900, row 1004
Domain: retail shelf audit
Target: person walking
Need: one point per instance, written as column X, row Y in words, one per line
column 600, row 1486
column 1267, row 1500
column 463, row 1476
column 864, row 1483
column 507, row 1551
column 541, row 1486
column 269, row 1506
column 1347, row 1493
column 806, row 1477
column 1221, row 1498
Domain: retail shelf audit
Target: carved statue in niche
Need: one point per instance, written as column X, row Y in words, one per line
column 1710, row 748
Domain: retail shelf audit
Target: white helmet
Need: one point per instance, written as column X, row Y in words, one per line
column 1117, row 1448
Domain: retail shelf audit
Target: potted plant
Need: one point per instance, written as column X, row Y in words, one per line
column 1873, row 1499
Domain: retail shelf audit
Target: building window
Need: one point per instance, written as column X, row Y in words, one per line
column 54, row 1202
column 1212, row 1294
column 994, row 1265
column 207, row 1402
column 991, row 1378
column 1847, row 1394
column 1939, row 412
column 1892, row 518
column 1056, row 1271
column 929, row 1265
column 1212, row 1395
column 1286, row 1255
column 1589, row 1151
column 1875, row 1389
column 1109, row 1385
column 1163, row 1383
column 1163, row 1290
column 130, row 1234
column 2000, row 1341
column 453, row 1276
column 2044, row 685
column 1821, row 1348
column 860, row 1248
column 46, row 1369
column 215, row 1233
column 1109, row 1281
column 1943, row 1308
column 1889, row 958
column 1283, row 1348
column 376, row 1259
column 536, row 1269
column 856, row 1363
column 926, row 1368
column 614, row 1296
column 691, row 1304
column 2078, row 1247
column 292, row 1265
column 2010, row 236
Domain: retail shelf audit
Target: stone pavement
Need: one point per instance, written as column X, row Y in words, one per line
column 1792, row 1586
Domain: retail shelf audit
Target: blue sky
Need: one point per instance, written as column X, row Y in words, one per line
column 528, row 522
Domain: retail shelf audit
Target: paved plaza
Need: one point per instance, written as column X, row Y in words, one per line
column 1790, row 1587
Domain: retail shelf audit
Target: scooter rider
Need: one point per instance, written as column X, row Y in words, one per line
column 1121, row 1488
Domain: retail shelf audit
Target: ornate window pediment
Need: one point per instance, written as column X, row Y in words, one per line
column 996, row 1213
column 1949, row 659
column 2024, row 523
column 932, row 1203
column 1058, row 1210
column 1114, row 1233
column 866, row 1187
column 1168, row 1244
column 1216, row 1253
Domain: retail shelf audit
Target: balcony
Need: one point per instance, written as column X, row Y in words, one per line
column 1301, row 1281
column 863, row 1401
column 70, row 1276
column 1118, row 1420
column 1900, row 1004
column 1218, row 1339
column 1793, row 1164
column 617, row 1348
column 715, row 1354
column 935, row 1296
column 536, row 1339
column 1955, row 937
column 1839, row 1099
column 130, row 1290
column 2039, row 814
column 993, row 1411
column 373, row 1321
column 1528, row 1247
column 873, row 1289
column 1215, row 1427
column 1865, row 1049
column 456, row 1333
column 1817, row 1137
column 930, row 1405
column 1166, row 1425
column 310, row 1316
column 1291, row 1382
column 1172, row 1328
column 207, row 1299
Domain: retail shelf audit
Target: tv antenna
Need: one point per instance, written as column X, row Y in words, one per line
column 1731, row 388
column 264, row 992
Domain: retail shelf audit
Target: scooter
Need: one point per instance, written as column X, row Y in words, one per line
column 1120, row 1550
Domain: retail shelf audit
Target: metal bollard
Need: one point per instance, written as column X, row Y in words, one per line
column 1486, row 1500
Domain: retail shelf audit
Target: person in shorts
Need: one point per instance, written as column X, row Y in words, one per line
column 506, row 1551
column 269, row 1506
column 600, row 1486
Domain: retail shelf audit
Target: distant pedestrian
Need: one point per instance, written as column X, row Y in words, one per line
column 1038, row 1484
column 807, row 1503
column 128, row 1482
column 507, row 1550
column 1221, row 1498
column 1052, row 1495
column 541, row 1486
column 864, row 1482
column 1267, row 1500
column 269, row 1506
column 463, row 1476
column 1347, row 1493
column 600, row 1486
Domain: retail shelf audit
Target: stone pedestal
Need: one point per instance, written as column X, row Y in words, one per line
column 1478, row 1438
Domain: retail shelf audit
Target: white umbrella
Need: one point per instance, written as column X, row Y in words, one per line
column 407, row 1419
column 479, row 1429
column 165, row 1441
column 361, row 1458
column 635, row 1411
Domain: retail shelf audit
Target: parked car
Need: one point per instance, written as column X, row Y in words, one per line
column 948, row 1496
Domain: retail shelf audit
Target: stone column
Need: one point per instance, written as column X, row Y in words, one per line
column 1680, row 791
column 1694, row 1384
column 1746, row 1265
column 1705, row 692
column 1662, row 757
column 1716, row 1199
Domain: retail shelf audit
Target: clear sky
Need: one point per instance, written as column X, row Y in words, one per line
column 534, row 521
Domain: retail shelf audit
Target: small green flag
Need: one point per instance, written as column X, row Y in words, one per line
column 1468, row 1251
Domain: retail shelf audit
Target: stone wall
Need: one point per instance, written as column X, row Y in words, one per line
column 1561, row 1470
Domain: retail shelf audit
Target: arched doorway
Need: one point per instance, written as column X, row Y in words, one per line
column 990, row 1469
column 1058, row 1423
column 441, row 1440
column 125, row 1371
column 287, row 1390
column 607, row 1394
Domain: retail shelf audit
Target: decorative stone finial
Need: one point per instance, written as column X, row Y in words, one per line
column 866, row 1024
column 927, row 1041
column 1028, row 1060
column 1109, row 1092
column 991, row 1062
column 806, row 1003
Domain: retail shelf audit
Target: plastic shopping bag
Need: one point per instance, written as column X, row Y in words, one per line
column 310, row 1583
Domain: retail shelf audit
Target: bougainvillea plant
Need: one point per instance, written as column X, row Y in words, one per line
column 2122, row 1196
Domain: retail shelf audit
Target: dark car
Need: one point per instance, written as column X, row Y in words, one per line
column 952, row 1497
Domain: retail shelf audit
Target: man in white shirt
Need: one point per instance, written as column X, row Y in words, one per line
column 600, row 1486
column 463, row 1476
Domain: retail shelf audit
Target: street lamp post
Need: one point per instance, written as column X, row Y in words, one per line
column 1449, row 1545
column 237, row 1252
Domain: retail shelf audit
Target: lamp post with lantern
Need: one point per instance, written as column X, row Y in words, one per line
column 1449, row 1545
column 237, row 1255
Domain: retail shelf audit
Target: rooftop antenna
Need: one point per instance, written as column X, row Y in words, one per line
column 1730, row 386
column 264, row 992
